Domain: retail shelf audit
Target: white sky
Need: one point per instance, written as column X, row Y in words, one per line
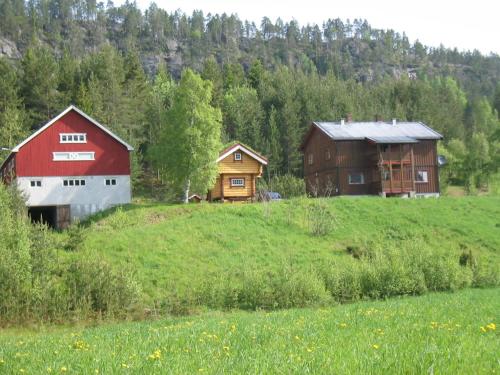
column 464, row 24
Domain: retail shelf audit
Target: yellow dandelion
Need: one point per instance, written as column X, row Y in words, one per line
column 96, row 371
column 491, row 326
column 2, row 361
column 309, row 350
column 124, row 365
column 200, row 370
column 233, row 327
column 64, row 369
column 375, row 346
column 483, row 329
column 49, row 369
column 226, row 348
column 343, row 325
column 297, row 338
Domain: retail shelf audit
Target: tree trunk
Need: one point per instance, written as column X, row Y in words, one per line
column 187, row 185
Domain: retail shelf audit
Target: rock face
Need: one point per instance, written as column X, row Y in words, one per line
column 9, row 49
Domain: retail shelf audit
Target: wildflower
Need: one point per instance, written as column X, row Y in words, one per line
column 483, row 329
column 343, row 325
column 124, row 365
column 49, row 369
column 297, row 338
column 233, row 327
column 156, row 355
column 375, row 346
column 2, row 361
column 226, row 348
column 200, row 370
column 64, row 369
column 491, row 326
column 309, row 350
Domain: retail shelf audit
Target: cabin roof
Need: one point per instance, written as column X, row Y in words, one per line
column 363, row 130
column 238, row 146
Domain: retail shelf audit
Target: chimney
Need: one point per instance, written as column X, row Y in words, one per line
column 394, row 121
column 349, row 117
column 342, row 121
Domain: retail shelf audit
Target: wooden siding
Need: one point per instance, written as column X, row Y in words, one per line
column 246, row 191
column 246, row 165
column 36, row 157
column 331, row 177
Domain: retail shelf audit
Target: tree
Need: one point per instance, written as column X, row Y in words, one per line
column 39, row 83
column 243, row 116
column 189, row 142
column 274, row 150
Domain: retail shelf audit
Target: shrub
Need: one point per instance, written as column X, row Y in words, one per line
column 320, row 219
column 287, row 185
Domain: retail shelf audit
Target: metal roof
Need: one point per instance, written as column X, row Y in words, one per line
column 386, row 140
column 374, row 130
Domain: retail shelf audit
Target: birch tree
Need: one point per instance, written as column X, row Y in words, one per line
column 189, row 142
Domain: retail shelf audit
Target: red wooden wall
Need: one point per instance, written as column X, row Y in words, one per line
column 35, row 157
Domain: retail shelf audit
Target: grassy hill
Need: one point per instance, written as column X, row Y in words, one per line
column 184, row 252
column 437, row 333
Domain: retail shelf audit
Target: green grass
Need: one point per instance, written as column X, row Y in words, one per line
column 435, row 333
column 173, row 248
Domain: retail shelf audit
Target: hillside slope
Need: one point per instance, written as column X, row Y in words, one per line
column 177, row 248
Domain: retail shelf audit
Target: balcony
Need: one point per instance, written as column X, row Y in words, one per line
column 397, row 186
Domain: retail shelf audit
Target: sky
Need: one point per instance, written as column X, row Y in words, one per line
column 464, row 24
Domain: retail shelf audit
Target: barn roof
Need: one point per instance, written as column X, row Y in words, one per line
column 238, row 146
column 60, row 115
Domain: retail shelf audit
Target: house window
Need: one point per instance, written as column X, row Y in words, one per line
column 73, row 138
column 237, row 182
column 310, row 159
column 110, row 181
column 73, row 156
column 237, row 156
column 356, row 179
column 74, row 182
column 36, row 183
column 421, row 176
column 327, row 154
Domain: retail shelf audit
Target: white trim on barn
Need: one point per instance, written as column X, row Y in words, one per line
column 239, row 147
column 72, row 108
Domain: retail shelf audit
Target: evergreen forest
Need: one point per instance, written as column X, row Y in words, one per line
column 122, row 66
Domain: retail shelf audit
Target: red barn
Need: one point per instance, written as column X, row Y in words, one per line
column 70, row 168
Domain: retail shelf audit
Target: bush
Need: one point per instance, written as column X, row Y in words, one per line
column 287, row 185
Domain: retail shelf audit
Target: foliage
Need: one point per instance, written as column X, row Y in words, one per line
column 35, row 285
column 189, row 142
column 287, row 185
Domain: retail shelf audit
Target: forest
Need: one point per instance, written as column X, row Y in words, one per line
column 122, row 66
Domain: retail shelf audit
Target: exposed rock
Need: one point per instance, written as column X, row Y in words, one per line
column 9, row 49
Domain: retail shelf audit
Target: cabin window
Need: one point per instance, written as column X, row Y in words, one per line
column 237, row 182
column 73, row 138
column 110, row 181
column 327, row 154
column 237, row 156
column 73, row 156
column 356, row 179
column 310, row 159
column 421, row 176
column 74, row 182
column 36, row 183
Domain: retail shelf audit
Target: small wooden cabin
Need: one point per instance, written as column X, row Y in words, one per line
column 239, row 168
column 360, row 158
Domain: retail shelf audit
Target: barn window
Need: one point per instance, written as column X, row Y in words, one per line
column 36, row 183
column 237, row 182
column 73, row 138
column 237, row 156
column 356, row 179
column 421, row 176
column 73, row 156
column 310, row 159
column 74, row 182
column 110, row 181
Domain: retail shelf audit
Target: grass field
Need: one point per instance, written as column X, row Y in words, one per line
column 436, row 333
column 174, row 248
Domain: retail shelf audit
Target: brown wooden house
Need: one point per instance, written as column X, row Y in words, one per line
column 239, row 168
column 359, row 158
